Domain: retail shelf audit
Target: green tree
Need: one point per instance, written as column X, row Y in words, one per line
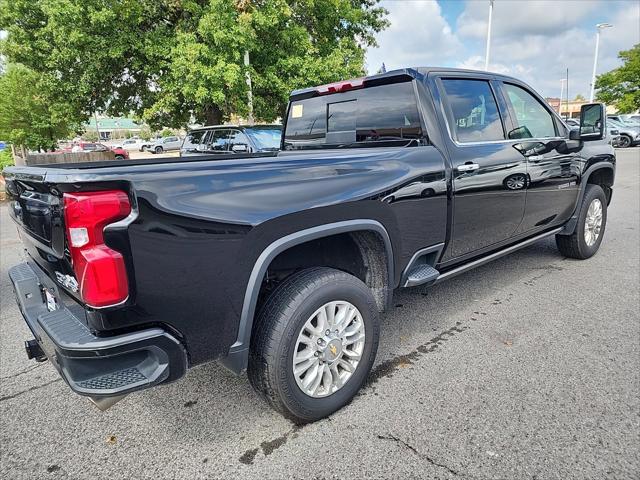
column 28, row 115
column 166, row 60
column 621, row 86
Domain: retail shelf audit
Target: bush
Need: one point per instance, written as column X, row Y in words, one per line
column 167, row 133
column 90, row 136
column 6, row 158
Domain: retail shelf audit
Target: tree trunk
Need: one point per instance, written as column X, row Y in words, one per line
column 212, row 115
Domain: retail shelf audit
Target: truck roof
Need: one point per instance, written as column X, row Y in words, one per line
column 392, row 76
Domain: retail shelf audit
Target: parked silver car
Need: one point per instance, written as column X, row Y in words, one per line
column 166, row 144
column 629, row 135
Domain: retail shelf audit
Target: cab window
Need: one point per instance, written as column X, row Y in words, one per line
column 473, row 110
column 532, row 118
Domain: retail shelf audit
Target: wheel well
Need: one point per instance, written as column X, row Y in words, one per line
column 604, row 178
column 360, row 253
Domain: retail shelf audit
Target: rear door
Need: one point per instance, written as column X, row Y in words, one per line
column 489, row 174
column 553, row 171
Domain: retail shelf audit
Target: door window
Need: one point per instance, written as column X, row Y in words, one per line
column 236, row 137
column 532, row 118
column 474, row 111
column 218, row 141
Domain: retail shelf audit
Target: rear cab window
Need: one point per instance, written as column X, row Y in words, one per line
column 382, row 115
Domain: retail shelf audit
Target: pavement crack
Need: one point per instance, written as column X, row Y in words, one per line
column 22, row 372
column 386, row 368
column 419, row 454
column 30, row 389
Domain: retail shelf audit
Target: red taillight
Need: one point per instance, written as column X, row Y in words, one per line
column 100, row 271
column 338, row 87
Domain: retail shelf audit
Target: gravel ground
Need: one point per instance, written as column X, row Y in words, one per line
column 525, row 368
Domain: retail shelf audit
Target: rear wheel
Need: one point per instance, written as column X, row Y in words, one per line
column 314, row 343
column 158, row 150
column 119, row 157
column 587, row 237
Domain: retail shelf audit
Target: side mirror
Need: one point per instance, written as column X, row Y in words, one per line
column 593, row 119
column 240, row 148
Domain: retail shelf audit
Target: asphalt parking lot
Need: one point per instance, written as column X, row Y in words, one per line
column 528, row 367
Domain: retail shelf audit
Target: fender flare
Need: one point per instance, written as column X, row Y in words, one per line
column 238, row 357
column 570, row 226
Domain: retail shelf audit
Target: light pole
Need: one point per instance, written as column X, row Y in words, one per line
column 562, row 80
column 599, row 27
column 486, row 58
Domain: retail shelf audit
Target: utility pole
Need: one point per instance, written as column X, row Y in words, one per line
column 562, row 80
column 95, row 117
column 249, row 87
column 599, row 27
column 486, row 58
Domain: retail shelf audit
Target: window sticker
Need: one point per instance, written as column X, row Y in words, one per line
column 296, row 111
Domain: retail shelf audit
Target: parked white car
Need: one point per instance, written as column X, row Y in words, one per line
column 166, row 144
column 131, row 144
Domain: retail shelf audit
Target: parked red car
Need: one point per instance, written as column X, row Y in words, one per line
column 119, row 152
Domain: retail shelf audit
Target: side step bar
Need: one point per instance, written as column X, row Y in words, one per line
column 495, row 255
column 426, row 274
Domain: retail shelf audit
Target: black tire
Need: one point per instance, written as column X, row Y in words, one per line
column 158, row 150
column 624, row 141
column 276, row 330
column 575, row 246
column 119, row 157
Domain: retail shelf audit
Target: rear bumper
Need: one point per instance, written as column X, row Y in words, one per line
column 96, row 366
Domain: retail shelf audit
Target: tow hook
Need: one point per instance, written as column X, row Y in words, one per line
column 34, row 351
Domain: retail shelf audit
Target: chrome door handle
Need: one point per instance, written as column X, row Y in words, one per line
column 535, row 158
column 468, row 167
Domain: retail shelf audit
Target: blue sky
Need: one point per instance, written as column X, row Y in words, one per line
column 534, row 40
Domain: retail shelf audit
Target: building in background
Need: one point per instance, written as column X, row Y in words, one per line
column 571, row 109
column 112, row 128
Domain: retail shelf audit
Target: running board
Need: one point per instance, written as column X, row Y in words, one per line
column 495, row 255
column 421, row 274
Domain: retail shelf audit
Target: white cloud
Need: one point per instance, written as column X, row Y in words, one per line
column 518, row 17
column 532, row 40
column 418, row 36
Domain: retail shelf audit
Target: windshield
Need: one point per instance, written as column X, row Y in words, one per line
column 265, row 138
column 374, row 116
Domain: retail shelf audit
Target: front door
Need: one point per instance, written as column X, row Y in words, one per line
column 489, row 174
column 553, row 169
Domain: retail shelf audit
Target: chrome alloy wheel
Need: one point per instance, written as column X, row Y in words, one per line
column 593, row 222
column 516, row 182
column 328, row 349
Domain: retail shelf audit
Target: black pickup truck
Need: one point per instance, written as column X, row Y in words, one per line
column 279, row 265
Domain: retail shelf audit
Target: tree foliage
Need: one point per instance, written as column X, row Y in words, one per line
column 165, row 60
column 621, row 86
column 28, row 115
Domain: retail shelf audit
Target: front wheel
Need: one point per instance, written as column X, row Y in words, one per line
column 314, row 343
column 592, row 220
column 624, row 141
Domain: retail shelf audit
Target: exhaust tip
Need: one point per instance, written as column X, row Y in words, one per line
column 104, row 403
